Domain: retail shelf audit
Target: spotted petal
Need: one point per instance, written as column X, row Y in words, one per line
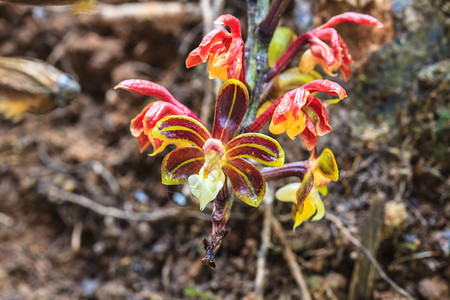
column 176, row 129
column 258, row 147
column 231, row 106
column 246, row 180
column 181, row 163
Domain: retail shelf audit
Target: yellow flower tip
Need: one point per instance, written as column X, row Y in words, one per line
column 278, row 128
column 326, row 165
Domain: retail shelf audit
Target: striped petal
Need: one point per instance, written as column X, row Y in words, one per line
column 256, row 146
column 246, row 180
column 231, row 106
column 181, row 163
column 176, row 129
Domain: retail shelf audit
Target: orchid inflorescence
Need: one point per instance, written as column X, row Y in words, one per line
column 222, row 164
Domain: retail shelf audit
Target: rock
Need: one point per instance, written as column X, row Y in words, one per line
column 434, row 288
column 396, row 218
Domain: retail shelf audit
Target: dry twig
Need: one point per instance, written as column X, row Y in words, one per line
column 335, row 220
column 56, row 194
column 264, row 248
column 291, row 260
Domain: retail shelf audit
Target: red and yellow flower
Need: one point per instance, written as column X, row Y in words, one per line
column 292, row 112
column 211, row 158
column 328, row 49
column 223, row 49
column 305, row 195
column 142, row 125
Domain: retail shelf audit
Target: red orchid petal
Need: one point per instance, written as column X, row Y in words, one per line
column 234, row 58
column 230, row 21
column 211, row 42
column 176, row 129
column 144, row 142
column 181, row 163
column 325, row 86
column 352, row 17
column 256, row 146
column 193, row 59
column 283, row 107
column 151, row 89
column 299, row 101
column 345, row 69
column 317, row 107
column 148, row 88
column 137, row 124
column 231, row 106
column 246, row 180
column 309, row 134
column 141, row 126
column 156, row 112
column 330, row 35
column 321, row 50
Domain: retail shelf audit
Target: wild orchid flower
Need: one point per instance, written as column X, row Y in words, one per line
column 305, row 195
column 142, row 125
column 327, row 49
column 223, row 49
column 291, row 112
column 211, row 158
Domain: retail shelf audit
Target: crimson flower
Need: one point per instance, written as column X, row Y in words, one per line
column 223, row 49
column 291, row 114
column 329, row 49
column 211, row 158
column 142, row 125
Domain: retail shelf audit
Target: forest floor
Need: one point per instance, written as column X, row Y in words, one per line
column 83, row 215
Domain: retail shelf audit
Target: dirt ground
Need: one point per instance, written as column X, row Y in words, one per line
column 83, row 215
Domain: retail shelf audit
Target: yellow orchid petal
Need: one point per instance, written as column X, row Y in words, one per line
column 278, row 128
column 288, row 193
column 306, row 211
column 318, row 204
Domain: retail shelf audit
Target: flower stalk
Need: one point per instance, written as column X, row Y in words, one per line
column 219, row 217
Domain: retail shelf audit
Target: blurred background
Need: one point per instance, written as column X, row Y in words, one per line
column 83, row 215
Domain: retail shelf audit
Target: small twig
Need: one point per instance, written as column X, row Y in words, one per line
column 291, row 260
column 265, row 245
column 153, row 11
column 100, row 209
column 335, row 220
column 75, row 241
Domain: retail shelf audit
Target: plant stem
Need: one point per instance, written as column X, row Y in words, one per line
column 256, row 55
column 219, row 217
column 298, row 169
column 270, row 22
